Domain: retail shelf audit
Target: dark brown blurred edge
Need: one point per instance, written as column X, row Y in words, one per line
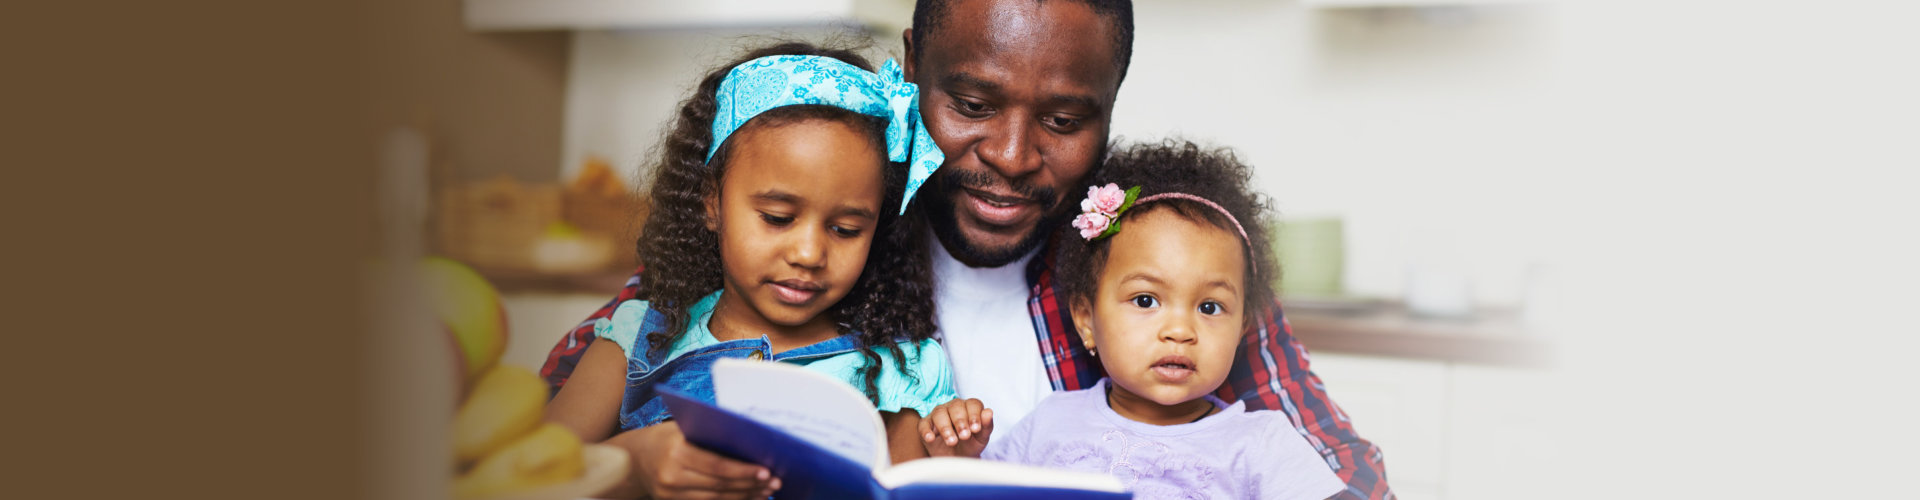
column 190, row 214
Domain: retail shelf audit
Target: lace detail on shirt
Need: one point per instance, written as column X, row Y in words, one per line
column 1149, row 468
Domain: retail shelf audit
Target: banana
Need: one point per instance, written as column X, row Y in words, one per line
column 506, row 403
column 548, row 455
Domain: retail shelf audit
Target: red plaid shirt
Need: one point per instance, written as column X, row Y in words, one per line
column 1271, row 374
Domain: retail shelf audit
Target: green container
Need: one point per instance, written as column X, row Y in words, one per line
column 1312, row 254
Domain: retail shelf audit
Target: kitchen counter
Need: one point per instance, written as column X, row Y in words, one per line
column 1492, row 337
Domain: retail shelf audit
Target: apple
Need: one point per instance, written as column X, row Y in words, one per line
column 470, row 312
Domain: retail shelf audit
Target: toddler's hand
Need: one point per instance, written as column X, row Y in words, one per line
column 960, row 427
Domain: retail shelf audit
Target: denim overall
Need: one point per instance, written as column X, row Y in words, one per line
column 692, row 373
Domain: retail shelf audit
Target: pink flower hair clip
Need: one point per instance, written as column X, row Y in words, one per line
column 1100, row 212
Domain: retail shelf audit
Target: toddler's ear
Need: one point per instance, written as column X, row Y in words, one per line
column 1082, row 311
column 712, row 205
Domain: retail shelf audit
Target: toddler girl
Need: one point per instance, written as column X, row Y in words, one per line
column 1160, row 270
column 772, row 236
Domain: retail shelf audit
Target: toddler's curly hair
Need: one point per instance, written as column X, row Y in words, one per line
column 1176, row 166
column 893, row 299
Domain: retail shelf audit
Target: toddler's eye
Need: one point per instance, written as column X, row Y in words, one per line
column 845, row 232
column 1144, row 301
column 1211, row 308
column 775, row 219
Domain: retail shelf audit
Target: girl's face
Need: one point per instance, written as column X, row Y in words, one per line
column 796, row 213
column 1166, row 317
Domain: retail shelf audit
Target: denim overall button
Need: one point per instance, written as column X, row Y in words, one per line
column 756, row 356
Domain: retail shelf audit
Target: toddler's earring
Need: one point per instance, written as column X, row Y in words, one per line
column 1091, row 352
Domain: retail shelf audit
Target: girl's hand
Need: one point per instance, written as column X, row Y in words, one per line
column 958, row 428
column 666, row 466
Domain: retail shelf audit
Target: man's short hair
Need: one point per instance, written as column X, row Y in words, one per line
column 931, row 15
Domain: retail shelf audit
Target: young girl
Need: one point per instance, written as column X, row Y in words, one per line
column 1160, row 270
column 773, row 236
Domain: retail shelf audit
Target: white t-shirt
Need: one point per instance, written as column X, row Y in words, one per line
column 988, row 333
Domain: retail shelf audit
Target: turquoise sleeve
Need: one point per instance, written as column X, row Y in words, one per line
column 624, row 326
column 930, row 386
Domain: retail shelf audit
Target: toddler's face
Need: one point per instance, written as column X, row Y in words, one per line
column 796, row 214
column 1166, row 317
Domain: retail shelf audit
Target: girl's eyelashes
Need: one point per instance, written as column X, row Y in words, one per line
column 845, row 232
column 776, row 220
column 1144, row 301
column 1212, row 308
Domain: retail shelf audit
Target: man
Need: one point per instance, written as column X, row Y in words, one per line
column 1018, row 95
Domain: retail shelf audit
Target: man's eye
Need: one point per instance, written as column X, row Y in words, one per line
column 776, row 220
column 970, row 107
column 1144, row 301
column 1211, row 308
column 1063, row 123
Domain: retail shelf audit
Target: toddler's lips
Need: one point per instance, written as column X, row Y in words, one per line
column 1173, row 368
column 795, row 292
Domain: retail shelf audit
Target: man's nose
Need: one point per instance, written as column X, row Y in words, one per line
column 1010, row 148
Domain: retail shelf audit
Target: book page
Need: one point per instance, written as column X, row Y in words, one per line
column 975, row 471
column 807, row 404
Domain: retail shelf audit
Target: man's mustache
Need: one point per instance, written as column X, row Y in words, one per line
column 982, row 181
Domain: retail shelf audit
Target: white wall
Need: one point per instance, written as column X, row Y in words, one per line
column 1414, row 125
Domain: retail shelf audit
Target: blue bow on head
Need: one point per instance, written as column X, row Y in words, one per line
column 770, row 82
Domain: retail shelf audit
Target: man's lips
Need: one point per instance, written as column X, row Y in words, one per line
column 1173, row 368
column 999, row 210
column 795, row 292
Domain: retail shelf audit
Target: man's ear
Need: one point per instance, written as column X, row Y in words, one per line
column 906, row 63
column 1082, row 311
column 712, row 204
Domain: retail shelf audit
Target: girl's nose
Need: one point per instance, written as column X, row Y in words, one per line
column 808, row 250
column 1179, row 330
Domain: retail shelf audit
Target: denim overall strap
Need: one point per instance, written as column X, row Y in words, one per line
column 827, row 348
column 690, row 373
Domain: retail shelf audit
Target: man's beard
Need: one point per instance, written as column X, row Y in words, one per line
column 940, row 213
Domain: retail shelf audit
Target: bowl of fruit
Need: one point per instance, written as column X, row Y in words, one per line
column 502, row 447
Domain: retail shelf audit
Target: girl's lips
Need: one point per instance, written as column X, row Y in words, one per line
column 795, row 292
column 1173, row 368
column 999, row 210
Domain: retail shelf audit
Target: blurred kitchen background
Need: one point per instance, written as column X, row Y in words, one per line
column 1437, row 193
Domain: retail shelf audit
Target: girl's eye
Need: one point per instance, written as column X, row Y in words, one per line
column 1144, row 301
column 776, row 220
column 845, row 232
column 1211, row 308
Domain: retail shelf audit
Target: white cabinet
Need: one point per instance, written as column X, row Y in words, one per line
column 1448, row 430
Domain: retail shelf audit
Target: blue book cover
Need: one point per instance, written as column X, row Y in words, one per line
column 823, row 439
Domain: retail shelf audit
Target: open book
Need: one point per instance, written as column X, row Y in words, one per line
column 823, row 439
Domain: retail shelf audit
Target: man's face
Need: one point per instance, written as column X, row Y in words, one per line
column 1018, row 95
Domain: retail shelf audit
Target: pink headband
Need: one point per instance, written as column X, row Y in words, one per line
column 1100, row 213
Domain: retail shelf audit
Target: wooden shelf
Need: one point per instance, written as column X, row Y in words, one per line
column 1388, row 329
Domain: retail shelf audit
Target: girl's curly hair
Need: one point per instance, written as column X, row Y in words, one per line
column 1176, row 166
column 892, row 300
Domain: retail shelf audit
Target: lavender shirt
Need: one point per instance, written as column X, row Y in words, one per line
column 1230, row 454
